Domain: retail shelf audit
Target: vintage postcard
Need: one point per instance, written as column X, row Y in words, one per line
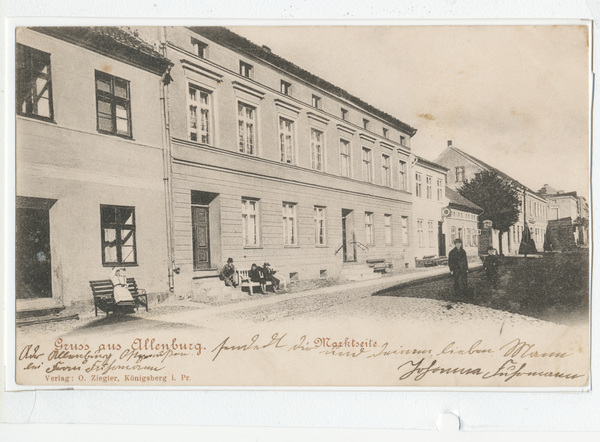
column 306, row 206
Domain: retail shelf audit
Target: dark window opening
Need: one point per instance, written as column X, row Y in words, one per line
column 33, row 83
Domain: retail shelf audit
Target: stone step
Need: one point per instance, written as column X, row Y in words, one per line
column 211, row 289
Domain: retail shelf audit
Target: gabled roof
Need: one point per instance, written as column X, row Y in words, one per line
column 431, row 164
column 457, row 201
column 227, row 38
column 558, row 195
column 486, row 166
column 114, row 42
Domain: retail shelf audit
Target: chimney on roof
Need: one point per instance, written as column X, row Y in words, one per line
column 449, row 143
column 266, row 48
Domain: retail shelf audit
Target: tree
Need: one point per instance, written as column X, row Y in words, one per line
column 498, row 197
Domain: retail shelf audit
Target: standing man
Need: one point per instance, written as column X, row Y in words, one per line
column 491, row 263
column 459, row 267
column 228, row 273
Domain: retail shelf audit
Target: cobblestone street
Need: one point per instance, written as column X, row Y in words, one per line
column 418, row 297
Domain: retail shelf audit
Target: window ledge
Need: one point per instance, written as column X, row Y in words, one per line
column 291, row 246
column 321, row 246
column 120, row 265
column 126, row 137
column 38, row 118
column 252, row 247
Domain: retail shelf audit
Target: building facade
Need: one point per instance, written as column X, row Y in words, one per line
column 271, row 163
column 429, row 201
column 534, row 208
column 568, row 205
column 462, row 221
column 89, row 181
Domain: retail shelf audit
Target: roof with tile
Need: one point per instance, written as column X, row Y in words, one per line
column 234, row 41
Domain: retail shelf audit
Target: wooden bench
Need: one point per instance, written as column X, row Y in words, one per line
column 104, row 299
column 431, row 261
column 244, row 281
column 380, row 264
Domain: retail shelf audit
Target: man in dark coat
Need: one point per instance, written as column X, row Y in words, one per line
column 491, row 263
column 269, row 275
column 459, row 267
column 228, row 274
column 256, row 275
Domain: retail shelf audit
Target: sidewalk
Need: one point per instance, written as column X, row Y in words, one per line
column 257, row 301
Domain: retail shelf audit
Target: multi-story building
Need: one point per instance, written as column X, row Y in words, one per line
column 534, row 208
column 429, row 200
column 563, row 205
column 272, row 163
column 89, row 154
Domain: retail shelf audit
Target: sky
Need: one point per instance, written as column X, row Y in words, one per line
column 516, row 97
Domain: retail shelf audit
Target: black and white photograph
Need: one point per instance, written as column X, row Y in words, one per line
column 302, row 206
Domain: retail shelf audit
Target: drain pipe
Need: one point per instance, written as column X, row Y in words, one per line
column 167, row 160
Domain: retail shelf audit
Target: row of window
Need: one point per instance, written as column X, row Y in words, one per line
column 113, row 109
column 285, row 87
column 428, row 187
column 516, row 234
column 34, row 93
column 537, row 209
column 469, row 236
column 200, row 131
column 251, row 225
column 464, row 215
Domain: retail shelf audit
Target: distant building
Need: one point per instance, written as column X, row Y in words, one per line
column 534, row 208
column 89, row 154
column 563, row 205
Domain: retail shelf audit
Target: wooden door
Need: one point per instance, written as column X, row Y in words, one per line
column 200, row 238
column 33, row 260
column 441, row 240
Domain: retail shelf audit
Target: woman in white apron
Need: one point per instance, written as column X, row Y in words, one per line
column 119, row 280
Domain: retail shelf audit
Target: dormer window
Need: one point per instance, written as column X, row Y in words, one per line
column 199, row 48
column 286, row 88
column 460, row 174
column 316, row 101
column 386, row 133
column 365, row 124
column 246, row 69
column 403, row 140
column 344, row 114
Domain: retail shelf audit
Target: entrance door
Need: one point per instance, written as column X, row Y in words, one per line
column 32, row 260
column 441, row 240
column 348, row 243
column 200, row 238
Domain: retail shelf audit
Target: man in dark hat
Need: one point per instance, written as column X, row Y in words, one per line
column 459, row 267
column 228, row 274
column 490, row 264
column 269, row 275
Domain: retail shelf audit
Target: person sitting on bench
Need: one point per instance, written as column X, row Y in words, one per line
column 269, row 275
column 120, row 291
column 256, row 275
column 228, row 273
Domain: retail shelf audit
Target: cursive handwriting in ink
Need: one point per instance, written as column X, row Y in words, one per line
column 523, row 349
column 274, row 342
